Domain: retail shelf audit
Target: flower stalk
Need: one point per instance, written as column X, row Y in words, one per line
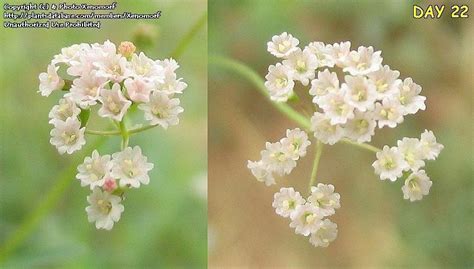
column 317, row 157
column 124, row 134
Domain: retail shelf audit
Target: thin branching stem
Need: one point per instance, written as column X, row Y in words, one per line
column 255, row 79
column 117, row 132
column 317, row 157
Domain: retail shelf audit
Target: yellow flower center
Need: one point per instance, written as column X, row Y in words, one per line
column 281, row 82
column 69, row 138
column 104, row 206
column 300, row 66
column 381, row 85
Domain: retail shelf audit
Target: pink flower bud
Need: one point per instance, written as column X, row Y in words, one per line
column 110, row 185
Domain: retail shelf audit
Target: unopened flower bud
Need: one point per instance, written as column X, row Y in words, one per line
column 110, row 184
column 126, row 48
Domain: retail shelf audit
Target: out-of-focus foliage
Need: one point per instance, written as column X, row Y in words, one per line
column 165, row 223
column 377, row 228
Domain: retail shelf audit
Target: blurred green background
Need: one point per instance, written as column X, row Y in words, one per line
column 377, row 228
column 165, row 223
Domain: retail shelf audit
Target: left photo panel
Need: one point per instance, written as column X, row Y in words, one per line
column 103, row 134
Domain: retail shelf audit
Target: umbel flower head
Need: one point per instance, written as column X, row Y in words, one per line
column 280, row 157
column 353, row 93
column 409, row 156
column 307, row 215
column 111, row 80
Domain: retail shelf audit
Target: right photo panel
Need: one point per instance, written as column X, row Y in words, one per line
column 339, row 134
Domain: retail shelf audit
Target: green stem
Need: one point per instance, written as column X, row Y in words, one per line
column 317, row 157
column 255, row 79
column 102, row 133
column 141, row 129
column 189, row 36
column 124, row 133
column 361, row 145
column 118, row 132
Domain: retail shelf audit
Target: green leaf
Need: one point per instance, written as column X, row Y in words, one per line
column 67, row 85
column 84, row 116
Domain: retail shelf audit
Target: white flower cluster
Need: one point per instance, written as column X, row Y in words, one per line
column 371, row 94
column 307, row 216
column 106, row 176
column 280, row 157
column 409, row 155
column 115, row 79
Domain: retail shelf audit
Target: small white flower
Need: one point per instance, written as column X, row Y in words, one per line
column 138, row 89
column 336, row 107
column 303, row 63
column 416, row 185
column 114, row 67
column 429, row 147
column 131, row 167
column 322, row 53
column 106, row 49
column 409, row 98
column 94, row 171
column 114, row 104
column 388, row 113
column 279, row 82
column 143, row 67
column 50, row 81
column 162, row 110
column 363, row 61
column 297, row 141
column 410, row 148
column 71, row 53
column 67, row 136
column 84, row 64
column 389, row 164
column 261, row 172
column 325, row 83
column 305, row 219
column 286, row 200
column 282, row 45
column 85, row 90
column 360, row 92
column 386, row 82
column 104, row 209
column 339, row 51
column 278, row 158
column 326, row 233
column 169, row 65
column 324, row 131
column 171, row 84
column 361, row 128
column 324, row 198
column 65, row 109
